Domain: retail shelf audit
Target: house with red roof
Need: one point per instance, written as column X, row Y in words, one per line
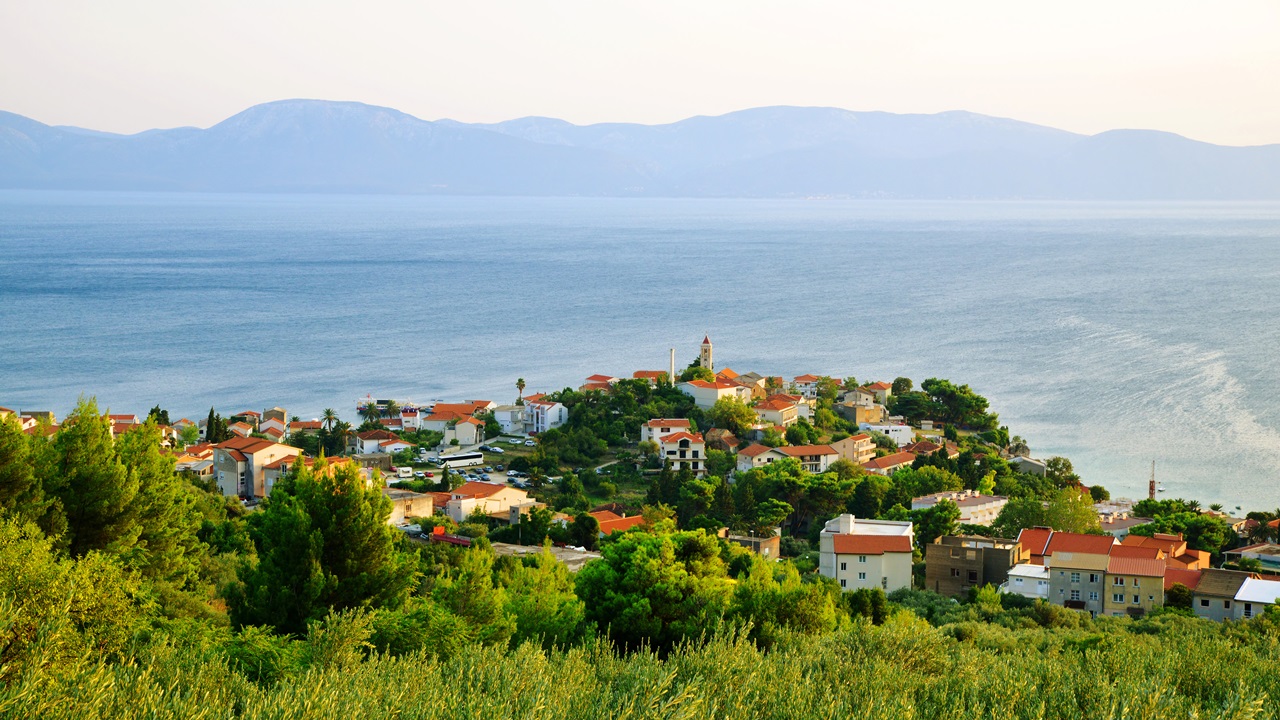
column 658, row 428
column 889, row 464
column 858, row 448
column 238, row 464
column 542, row 414
column 598, row 382
column 685, row 451
column 1135, row 586
column 777, row 411
column 243, row 429
column 492, row 499
column 705, row 393
column 611, row 522
column 861, row 554
column 806, row 385
column 650, row 376
column 369, row 441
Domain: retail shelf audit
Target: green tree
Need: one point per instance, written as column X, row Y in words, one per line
column 697, row 372
column 167, row 546
column 541, row 600
column 159, row 415
column 901, row 385
column 732, row 414
column 520, row 391
column 22, row 496
column 328, row 418
column 1060, row 472
column 189, row 435
column 323, row 544
column 769, row 515
column 585, row 531
column 1068, row 510
column 1178, row 596
column 932, row 523
column 656, row 589
column 96, row 490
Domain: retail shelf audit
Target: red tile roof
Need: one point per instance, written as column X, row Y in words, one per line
column 889, row 461
column 1135, row 566
column 807, row 450
column 774, row 405
column 620, row 524
column 677, row 437
column 478, row 489
column 377, row 435
column 667, row 423
column 1035, row 539
column 754, row 450
column 879, row 386
column 595, row 386
column 648, row 374
column 870, row 544
column 707, row 385
column 597, row 378
column 1134, row 551
column 1079, row 543
column 726, row 373
column 807, row 378
column 245, row 444
column 306, row 425
column 1190, row 578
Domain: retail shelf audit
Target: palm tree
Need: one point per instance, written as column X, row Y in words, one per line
column 1216, row 507
column 371, row 412
column 392, row 409
column 342, row 431
column 519, row 390
column 330, row 417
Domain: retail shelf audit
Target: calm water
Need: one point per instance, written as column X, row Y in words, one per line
column 1115, row 334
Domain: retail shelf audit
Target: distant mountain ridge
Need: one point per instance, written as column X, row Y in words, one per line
column 325, row 146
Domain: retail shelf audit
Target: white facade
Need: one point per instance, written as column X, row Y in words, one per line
column 1029, row 581
column 706, row 393
column 543, row 415
column 1254, row 596
column 975, row 509
column 860, row 554
column 660, row 428
column 511, row 418
column 684, row 450
column 900, row 434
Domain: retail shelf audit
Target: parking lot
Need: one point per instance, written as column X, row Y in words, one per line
column 506, row 448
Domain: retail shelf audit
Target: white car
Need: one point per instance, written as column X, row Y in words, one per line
column 497, row 450
column 529, row 443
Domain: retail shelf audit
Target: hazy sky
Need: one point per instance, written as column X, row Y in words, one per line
column 1208, row 70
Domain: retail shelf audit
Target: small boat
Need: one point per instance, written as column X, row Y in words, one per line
column 1160, row 489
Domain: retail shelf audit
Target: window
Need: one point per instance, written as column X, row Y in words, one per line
column 1226, row 604
column 862, row 558
column 884, row 582
column 1135, row 582
column 1118, row 581
column 842, row 582
column 1117, row 597
column 1075, row 577
column 970, row 555
column 1204, row 602
column 1093, row 577
column 955, row 572
column 973, row 576
column 1248, row 609
column 1137, row 599
column 1093, row 596
column 862, row 576
column 1075, row 594
column 1017, row 581
column 844, row 566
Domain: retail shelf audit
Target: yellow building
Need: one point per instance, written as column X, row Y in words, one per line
column 1134, row 586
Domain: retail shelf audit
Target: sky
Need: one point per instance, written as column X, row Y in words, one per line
column 1210, row 71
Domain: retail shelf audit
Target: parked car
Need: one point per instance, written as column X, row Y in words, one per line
column 430, row 474
column 497, row 450
column 529, row 443
column 419, row 474
column 498, row 468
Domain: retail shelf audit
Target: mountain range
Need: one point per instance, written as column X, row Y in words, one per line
column 324, row 146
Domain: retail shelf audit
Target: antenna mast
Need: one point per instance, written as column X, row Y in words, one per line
column 1151, row 486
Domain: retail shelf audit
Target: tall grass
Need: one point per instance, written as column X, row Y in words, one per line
column 1177, row 668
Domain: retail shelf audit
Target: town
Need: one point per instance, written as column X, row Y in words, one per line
column 875, row 487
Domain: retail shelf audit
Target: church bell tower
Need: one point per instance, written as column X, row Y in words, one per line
column 704, row 358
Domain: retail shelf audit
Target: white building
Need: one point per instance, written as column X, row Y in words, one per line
column 866, row 553
column 510, row 418
column 807, row 385
column 542, row 415
column 975, row 509
column 705, row 393
column 684, row 450
column 900, row 434
column 659, row 428
column 1029, row 581
column 1254, row 596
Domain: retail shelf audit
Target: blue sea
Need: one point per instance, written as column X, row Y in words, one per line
column 1112, row 333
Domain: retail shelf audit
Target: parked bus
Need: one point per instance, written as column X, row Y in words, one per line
column 462, row 459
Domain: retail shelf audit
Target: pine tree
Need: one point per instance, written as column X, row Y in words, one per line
column 22, row 495
column 211, row 426
column 167, row 513
column 323, row 545
column 97, row 491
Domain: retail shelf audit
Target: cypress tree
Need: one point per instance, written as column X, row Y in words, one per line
column 97, row 491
